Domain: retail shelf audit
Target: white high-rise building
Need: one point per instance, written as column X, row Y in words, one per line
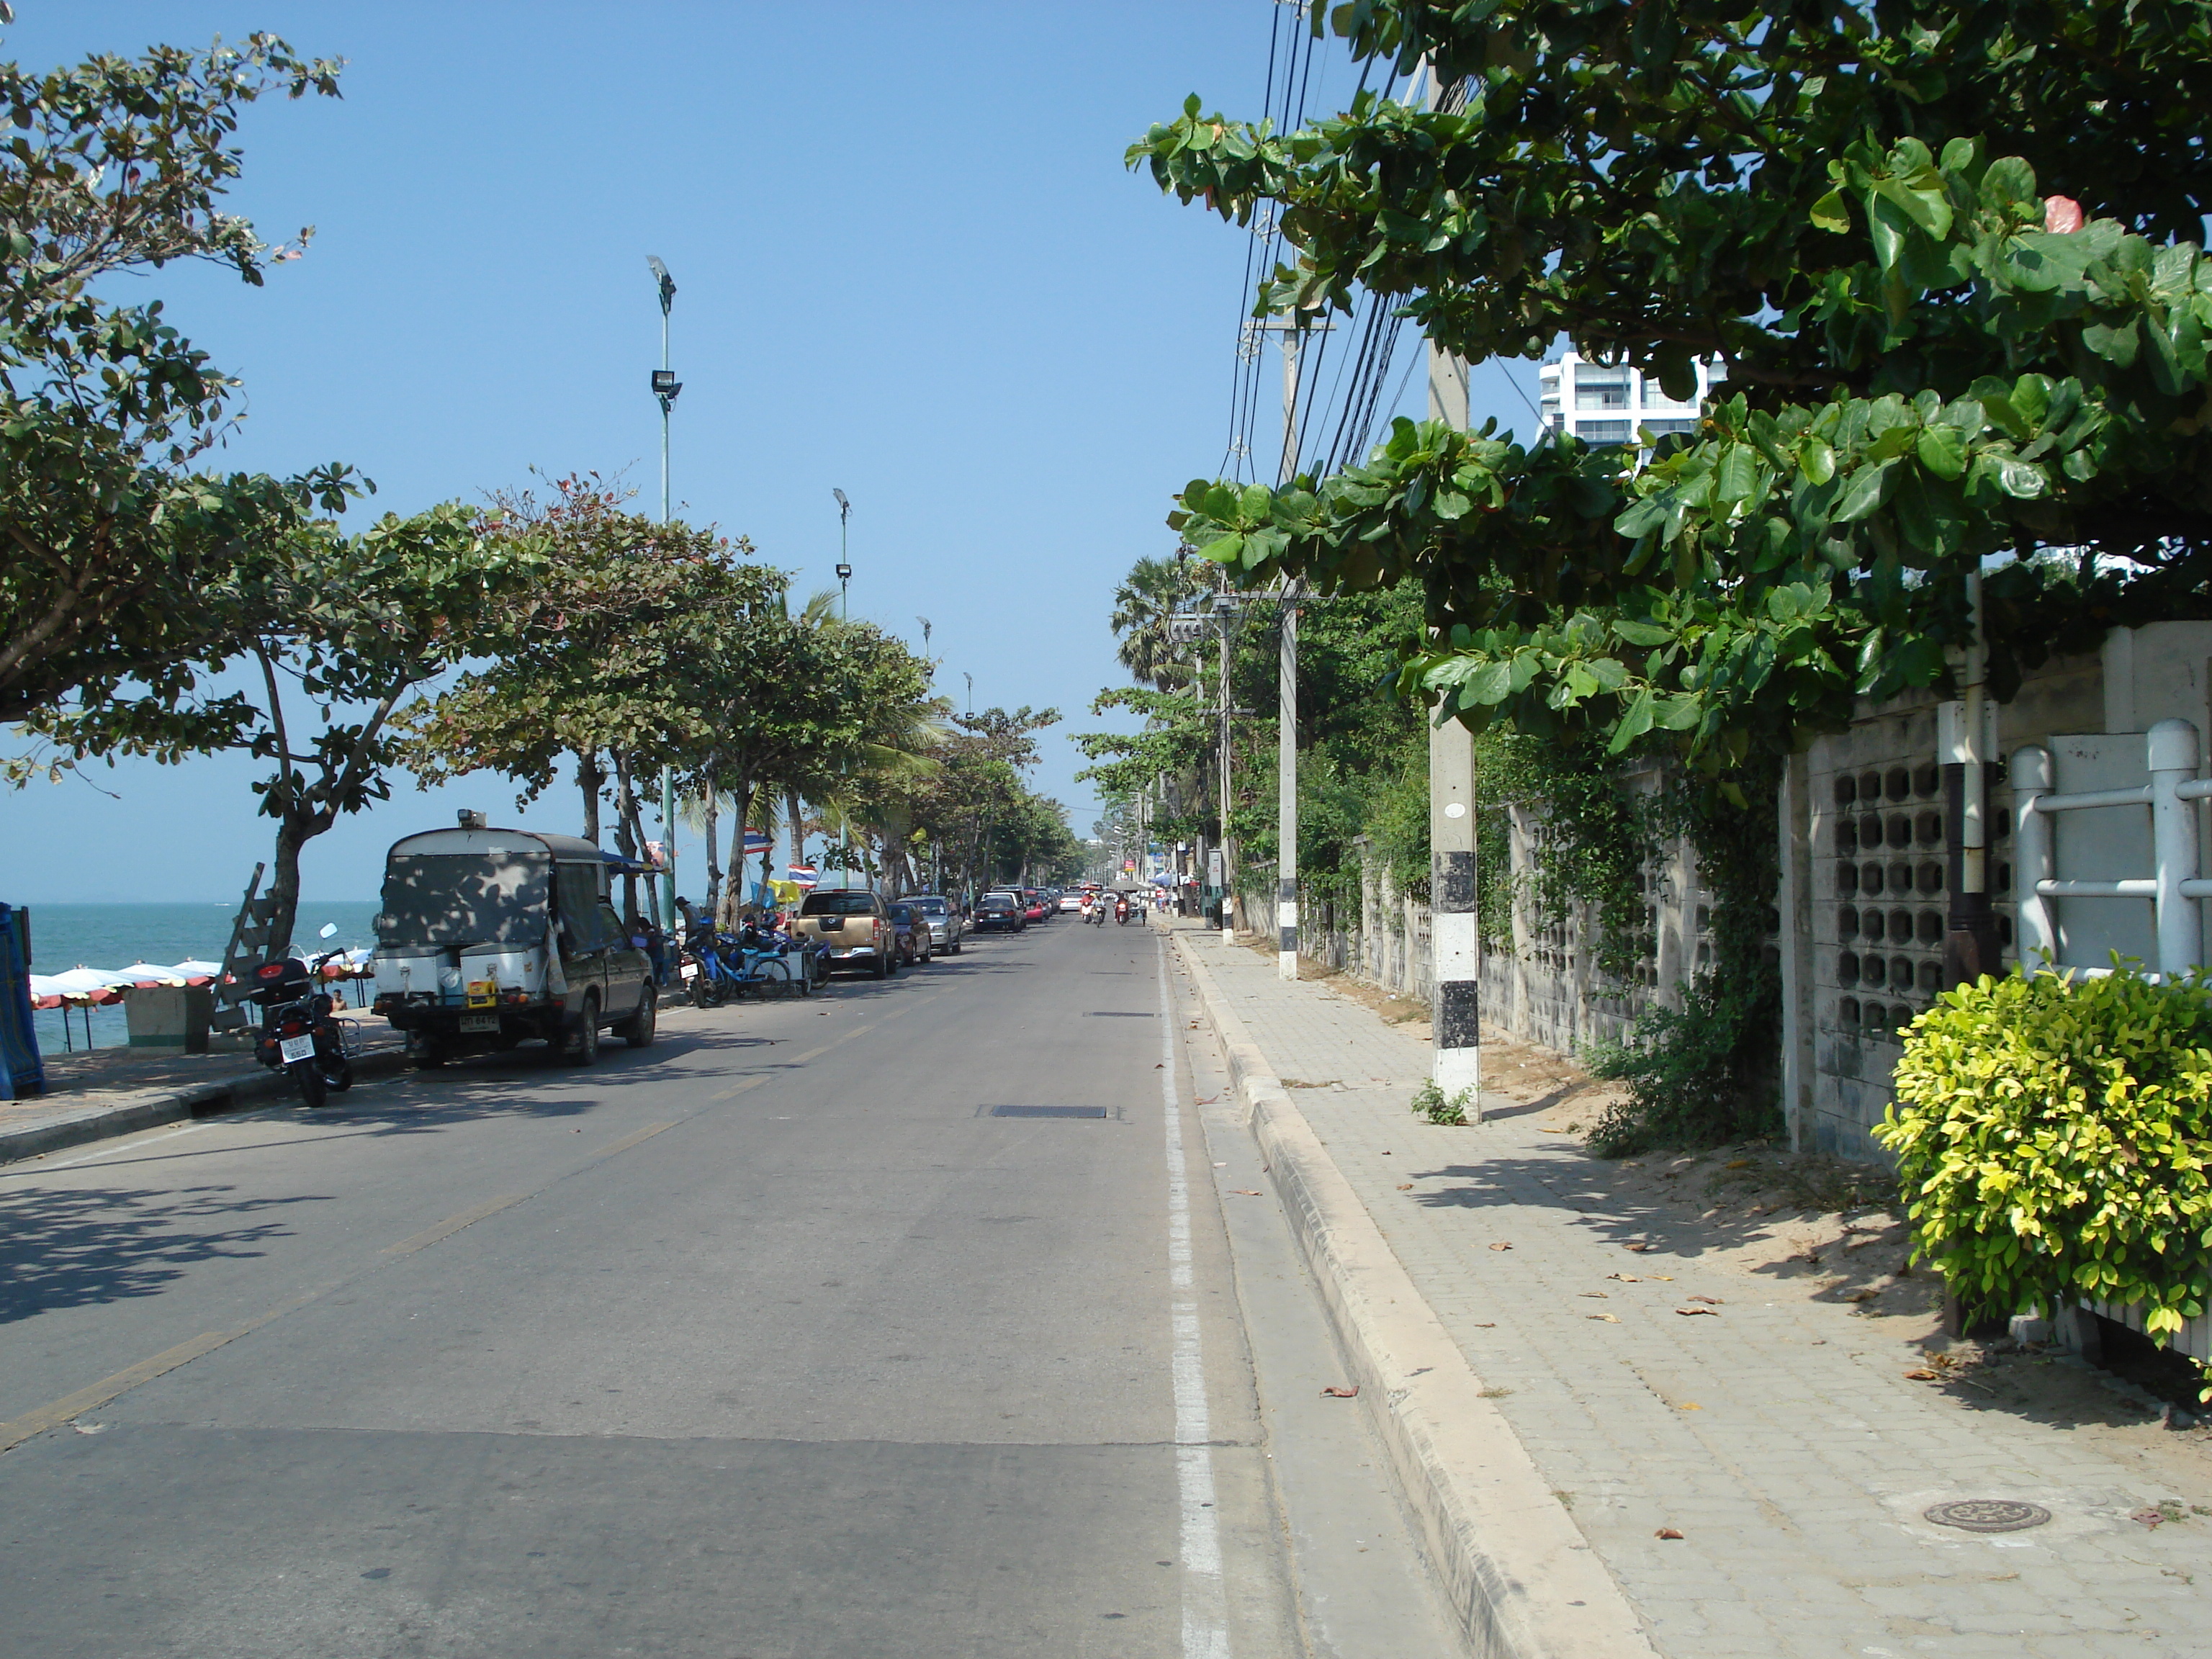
column 1608, row 404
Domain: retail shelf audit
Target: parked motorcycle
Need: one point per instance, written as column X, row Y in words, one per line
column 298, row 1034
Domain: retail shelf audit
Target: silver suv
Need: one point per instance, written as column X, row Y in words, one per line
column 946, row 924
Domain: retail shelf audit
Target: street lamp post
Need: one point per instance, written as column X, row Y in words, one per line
column 844, row 569
column 665, row 390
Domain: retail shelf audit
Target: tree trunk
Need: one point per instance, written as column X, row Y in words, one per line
column 293, row 832
column 590, row 778
column 712, row 803
column 627, row 840
column 741, row 801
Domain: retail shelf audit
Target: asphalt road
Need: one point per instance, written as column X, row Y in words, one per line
column 899, row 1322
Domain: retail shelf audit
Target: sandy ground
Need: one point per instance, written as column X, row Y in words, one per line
column 1832, row 1233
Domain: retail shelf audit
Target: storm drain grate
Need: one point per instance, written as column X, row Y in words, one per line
column 1047, row 1111
column 1989, row 1514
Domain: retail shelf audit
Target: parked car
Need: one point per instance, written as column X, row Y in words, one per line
column 999, row 912
column 488, row 938
column 946, row 924
column 852, row 926
column 1033, row 909
column 911, row 932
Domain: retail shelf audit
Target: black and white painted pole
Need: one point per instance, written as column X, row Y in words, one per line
column 1454, row 934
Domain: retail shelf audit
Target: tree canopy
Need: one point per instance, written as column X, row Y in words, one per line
column 1941, row 252
column 112, row 531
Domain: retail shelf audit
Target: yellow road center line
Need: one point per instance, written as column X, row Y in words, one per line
column 628, row 1141
column 452, row 1225
column 98, row 1394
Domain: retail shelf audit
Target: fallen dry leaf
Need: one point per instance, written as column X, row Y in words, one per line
column 1663, row 1278
column 1501, row 1246
column 1863, row 1296
column 1626, row 1279
column 1610, row 1319
column 1923, row 1375
column 1405, row 1186
column 1710, row 1301
column 1485, row 1324
column 1707, row 1311
column 1638, row 1248
column 1689, row 1405
column 1245, row 1192
column 1600, row 1295
column 1666, row 1532
column 1352, row 1393
column 2148, row 1517
column 1737, row 1164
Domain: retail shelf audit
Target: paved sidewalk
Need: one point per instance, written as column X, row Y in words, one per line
column 1782, row 1442
column 95, row 1093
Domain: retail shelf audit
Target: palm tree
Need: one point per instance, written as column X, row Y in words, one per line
column 1142, row 603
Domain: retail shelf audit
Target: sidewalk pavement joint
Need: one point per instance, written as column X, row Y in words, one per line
column 1797, row 1465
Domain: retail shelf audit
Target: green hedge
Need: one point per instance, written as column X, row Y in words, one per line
column 2052, row 1134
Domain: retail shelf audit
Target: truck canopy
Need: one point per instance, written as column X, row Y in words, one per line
column 446, row 888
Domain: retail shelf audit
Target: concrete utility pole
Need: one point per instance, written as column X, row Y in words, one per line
column 664, row 388
column 1293, row 332
column 1228, row 746
column 1454, row 937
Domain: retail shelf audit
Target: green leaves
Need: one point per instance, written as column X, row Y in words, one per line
column 2052, row 1132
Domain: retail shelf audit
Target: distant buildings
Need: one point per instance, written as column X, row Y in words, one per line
column 1602, row 404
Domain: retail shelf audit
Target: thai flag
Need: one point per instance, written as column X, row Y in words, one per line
column 756, row 842
column 804, row 874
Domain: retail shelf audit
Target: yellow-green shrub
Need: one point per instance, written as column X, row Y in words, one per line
column 2053, row 1134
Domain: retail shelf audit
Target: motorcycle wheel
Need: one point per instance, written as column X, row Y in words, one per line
column 308, row 1074
column 337, row 1071
column 695, row 988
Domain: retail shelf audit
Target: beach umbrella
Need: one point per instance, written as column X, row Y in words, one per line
column 45, row 993
column 196, row 973
column 90, row 984
column 145, row 973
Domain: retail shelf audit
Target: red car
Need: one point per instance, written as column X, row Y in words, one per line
column 1033, row 906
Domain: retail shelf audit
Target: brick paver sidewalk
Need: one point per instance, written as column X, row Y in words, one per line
column 1785, row 1447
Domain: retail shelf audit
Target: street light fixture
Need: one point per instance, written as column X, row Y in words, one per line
column 844, row 570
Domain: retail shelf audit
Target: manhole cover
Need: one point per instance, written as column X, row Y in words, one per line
column 1989, row 1514
column 1047, row 1111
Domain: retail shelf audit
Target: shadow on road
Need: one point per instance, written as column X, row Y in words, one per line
column 81, row 1248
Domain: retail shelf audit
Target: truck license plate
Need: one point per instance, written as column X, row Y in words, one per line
column 480, row 1022
column 297, row 1048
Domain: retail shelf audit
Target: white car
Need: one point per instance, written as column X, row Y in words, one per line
column 1069, row 902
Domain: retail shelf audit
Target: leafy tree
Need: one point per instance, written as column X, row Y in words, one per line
column 1872, row 216
column 336, row 631
column 119, row 164
column 595, row 662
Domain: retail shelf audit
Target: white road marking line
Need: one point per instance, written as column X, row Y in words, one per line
column 168, row 1132
column 1204, row 1603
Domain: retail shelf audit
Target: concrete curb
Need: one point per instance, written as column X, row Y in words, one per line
column 1520, row 1576
column 149, row 1109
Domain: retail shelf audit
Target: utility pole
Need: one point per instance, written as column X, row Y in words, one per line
column 1228, row 747
column 1293, row 331
column 664, row 389
column 1454, row 935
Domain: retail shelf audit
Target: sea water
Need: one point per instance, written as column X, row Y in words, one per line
column 66, row 936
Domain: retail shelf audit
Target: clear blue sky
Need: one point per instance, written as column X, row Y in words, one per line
column 910, row 265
